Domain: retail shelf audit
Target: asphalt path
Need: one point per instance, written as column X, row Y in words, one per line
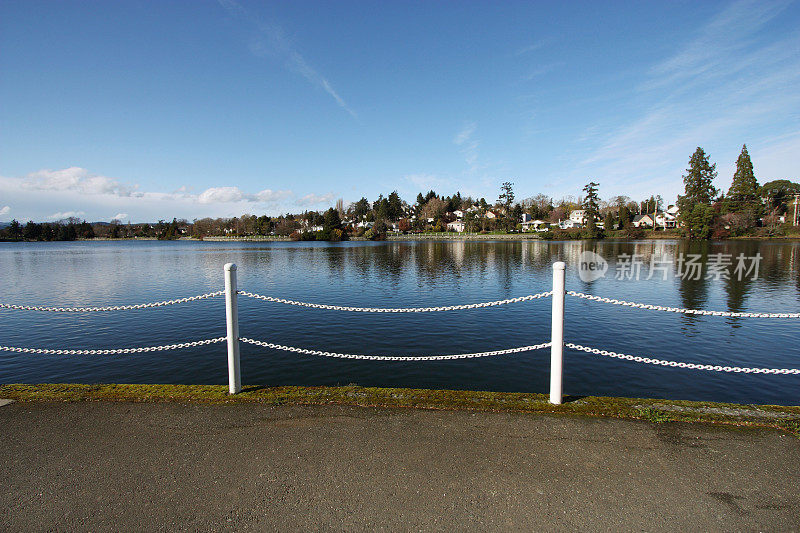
column 248, row 467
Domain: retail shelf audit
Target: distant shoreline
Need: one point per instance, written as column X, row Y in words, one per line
column 476, row 237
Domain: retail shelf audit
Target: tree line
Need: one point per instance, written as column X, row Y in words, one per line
column 703, row 212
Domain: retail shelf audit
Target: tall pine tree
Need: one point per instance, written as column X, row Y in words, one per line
column 591, row 205
column 743, row 193
column 696, row 213
column 699, row 178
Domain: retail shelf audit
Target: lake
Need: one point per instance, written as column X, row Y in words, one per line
column 408, row 274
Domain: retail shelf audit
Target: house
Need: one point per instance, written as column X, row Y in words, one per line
column 666, row 220
column 525, row 218
column 534, row 225
column 459, row 214
column 643, row 221
column 578, row 215
column 569, row 224
column 456, row 226
column 490, row 214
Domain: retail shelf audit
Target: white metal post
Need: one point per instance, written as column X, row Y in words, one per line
column 232, row 319
column 557, row 334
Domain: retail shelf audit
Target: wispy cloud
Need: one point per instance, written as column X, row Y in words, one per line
column 531, row 47
column 272, row 41
column 61, row 215
column 5, row 210
column 120, row 216
column 311, row 200
column 541, row 70
column 429, row 182
column 465, row 139
column 729, row 84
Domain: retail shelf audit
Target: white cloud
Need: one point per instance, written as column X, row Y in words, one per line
column 120, row 216
column 4, row 210
column 65, row 214
column 311, row 200
column 234, row 194
column 270, row 196
column 75, row 179
column 220, row 194
column 38, row 194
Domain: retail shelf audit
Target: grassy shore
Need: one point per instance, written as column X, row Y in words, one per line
column 781, row 417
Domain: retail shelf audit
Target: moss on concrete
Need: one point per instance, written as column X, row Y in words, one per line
column 657, row 411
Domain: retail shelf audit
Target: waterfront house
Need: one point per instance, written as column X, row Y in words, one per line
column 457, row 226
column 534, row 225
column 643, row 221
column 579, row 216
column 569, row 224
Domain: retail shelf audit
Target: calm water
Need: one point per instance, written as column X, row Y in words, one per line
column 399, row 274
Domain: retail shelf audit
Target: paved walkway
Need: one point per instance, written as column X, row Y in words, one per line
column 149, row 467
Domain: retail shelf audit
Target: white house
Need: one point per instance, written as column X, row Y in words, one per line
column 459, row 214
column 455, row 226
column 569, row 224
column 666, row 220
column 534, row 225
column 490, row 214
column 578, row 215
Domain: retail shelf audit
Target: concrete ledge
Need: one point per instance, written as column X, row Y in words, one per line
column 786, row 418
column 5, row 401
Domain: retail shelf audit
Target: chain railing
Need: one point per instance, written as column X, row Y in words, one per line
column 113, row 351
column 556, row 343
column 701, row 312
column 399, row 309
column 678, row 364
column 111, row 307
column 394, row 357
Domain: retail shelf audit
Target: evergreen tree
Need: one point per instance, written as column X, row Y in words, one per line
column 395, row 206
column 361, row 209
column 506, row 199
column 591, row 205
column 608, row 221
column 696, row 213
column 743, row 193
column 699, row 179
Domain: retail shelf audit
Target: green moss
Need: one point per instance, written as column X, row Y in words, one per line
column 657, row 411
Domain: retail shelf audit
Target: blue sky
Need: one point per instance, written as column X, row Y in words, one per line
column 217, row 108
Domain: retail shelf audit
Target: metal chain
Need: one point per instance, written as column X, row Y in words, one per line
column 114, row 351
column 112, row 307
column 392, row 357
column 692, row 366
column 679, row 310
column 397, row 309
